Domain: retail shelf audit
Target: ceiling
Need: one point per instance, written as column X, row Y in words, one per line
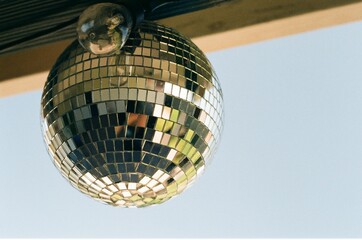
column 28, row 23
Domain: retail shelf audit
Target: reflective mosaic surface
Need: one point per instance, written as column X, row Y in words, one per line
column 133, row 129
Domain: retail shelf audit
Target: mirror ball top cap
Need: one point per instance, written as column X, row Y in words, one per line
column 103, row 28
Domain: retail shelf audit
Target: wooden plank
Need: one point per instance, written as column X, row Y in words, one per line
column 238, row 14
column 280, row 27
column 23, row 84
column 232, row 24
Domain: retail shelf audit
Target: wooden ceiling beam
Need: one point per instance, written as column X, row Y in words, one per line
column 231, row 24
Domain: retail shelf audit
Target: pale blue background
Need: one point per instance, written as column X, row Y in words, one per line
column 290, row 163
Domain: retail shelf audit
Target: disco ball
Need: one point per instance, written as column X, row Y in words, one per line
column 137, row 128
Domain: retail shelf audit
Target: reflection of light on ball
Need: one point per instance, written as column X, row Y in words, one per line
column 104, row 28
column 137, row 128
